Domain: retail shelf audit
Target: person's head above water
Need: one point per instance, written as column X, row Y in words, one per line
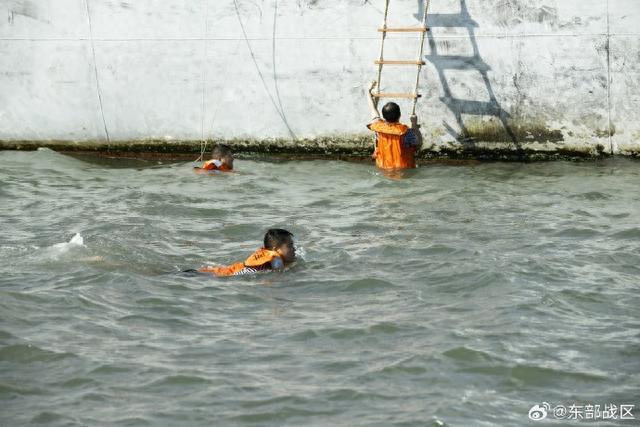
column 224, row 154
column 391, row 112
column 281, row 241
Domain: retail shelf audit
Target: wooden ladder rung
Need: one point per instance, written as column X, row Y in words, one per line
column 396, row 95
column 400, row 62
column 404, row 30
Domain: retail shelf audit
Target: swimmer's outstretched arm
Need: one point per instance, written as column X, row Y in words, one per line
column 373, row 104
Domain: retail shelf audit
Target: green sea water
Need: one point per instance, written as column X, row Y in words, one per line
column 461, row 295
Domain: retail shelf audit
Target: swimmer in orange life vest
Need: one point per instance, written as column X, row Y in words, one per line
column 278, row 252
column 221, row 160
column 396, row 144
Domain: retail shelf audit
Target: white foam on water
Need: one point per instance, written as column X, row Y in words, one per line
column 74, row 249
column 60, row 249
column 75, row 241
column 301, row 253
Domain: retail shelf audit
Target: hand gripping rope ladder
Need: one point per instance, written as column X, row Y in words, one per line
column 419, row 62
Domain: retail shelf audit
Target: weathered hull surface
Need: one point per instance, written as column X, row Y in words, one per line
column 503, row 78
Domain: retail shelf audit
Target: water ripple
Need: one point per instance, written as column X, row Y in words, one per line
column 461, row 295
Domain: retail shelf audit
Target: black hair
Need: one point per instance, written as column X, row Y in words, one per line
column 276, row 237
column 391, row 112
column 220, row 151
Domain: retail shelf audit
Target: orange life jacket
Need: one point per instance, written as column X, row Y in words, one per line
column 390, row 152
column 215, row 165
column 258, row 261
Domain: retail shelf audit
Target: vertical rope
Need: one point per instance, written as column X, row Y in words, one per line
column 612, row 143
column 384, row 36
column 203, row 149
column 203, row 141
column 420, row 53
column 95, row 70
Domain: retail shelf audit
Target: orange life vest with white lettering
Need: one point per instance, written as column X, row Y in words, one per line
column 215, row 165
column 390, row 151
column 260, row 260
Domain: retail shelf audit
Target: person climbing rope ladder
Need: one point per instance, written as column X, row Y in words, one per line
column 396, row 144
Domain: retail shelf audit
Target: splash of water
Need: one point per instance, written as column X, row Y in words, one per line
column 75, row 241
